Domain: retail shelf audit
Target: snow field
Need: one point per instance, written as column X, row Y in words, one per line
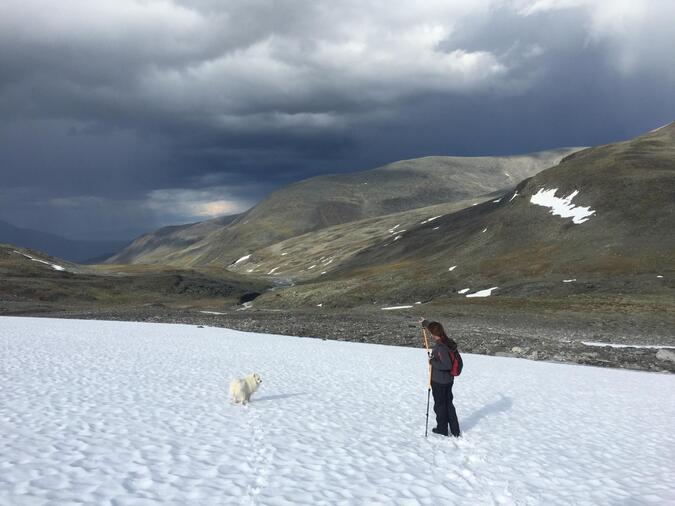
column 136, row 413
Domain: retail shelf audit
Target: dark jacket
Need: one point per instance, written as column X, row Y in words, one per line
column 441, row 364
column 440, row 360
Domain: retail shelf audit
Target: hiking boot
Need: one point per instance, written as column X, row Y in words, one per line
column 436, row 430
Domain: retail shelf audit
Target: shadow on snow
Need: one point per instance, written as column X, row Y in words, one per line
column 498, row 406
column 275, row 397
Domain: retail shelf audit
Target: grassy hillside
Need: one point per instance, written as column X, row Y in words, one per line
column 319, row 252
column 622, row 247
column 31, row 279
column 324, row 201
column 159, row 245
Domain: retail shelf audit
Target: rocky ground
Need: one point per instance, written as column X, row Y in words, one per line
column 533, row 335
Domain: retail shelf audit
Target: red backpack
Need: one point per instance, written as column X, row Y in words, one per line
column 457, row 363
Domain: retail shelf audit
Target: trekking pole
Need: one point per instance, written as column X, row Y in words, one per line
column 426, row 345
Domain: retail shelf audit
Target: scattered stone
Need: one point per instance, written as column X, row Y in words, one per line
column 664, row 354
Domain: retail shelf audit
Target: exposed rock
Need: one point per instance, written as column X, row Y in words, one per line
column 664, row 354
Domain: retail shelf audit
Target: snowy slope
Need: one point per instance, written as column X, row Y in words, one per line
column 135, row 413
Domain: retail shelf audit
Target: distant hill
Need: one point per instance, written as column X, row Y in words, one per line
column 305, row 256
column 69, row 249
column 161, row 245
column 34, row 281
column 602, row 220
column 323, row 201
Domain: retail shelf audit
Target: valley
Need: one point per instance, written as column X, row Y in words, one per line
column 533, row 256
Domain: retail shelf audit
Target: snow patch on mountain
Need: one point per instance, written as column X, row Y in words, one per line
column 562, row 207
column 429, row 220
column 483, row 293
column 242, row 259
column 53, row 266
column 615, row 345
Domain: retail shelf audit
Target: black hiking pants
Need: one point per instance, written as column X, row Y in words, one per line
column 444, row 408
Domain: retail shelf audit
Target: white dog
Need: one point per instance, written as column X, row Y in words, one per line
column 242, row 389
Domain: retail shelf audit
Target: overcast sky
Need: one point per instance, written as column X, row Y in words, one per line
column 118, row 117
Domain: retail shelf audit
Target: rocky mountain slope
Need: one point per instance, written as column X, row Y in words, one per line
column 329, row 200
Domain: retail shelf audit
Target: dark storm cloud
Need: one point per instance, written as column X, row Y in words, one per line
column 122, row 116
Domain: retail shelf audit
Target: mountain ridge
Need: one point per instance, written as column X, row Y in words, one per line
column 523, row 247
column 332, row 199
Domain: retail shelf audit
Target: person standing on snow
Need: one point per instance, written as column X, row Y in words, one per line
column 442, row 379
